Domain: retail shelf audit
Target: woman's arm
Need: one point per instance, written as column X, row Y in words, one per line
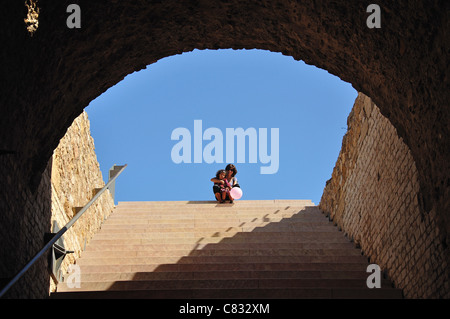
column 233, row 181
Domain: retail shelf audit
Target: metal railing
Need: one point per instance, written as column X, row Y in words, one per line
column 117, row 171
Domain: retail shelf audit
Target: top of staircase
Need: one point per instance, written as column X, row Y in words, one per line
column 267, row 202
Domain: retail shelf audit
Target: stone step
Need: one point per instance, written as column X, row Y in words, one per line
column 219, row 259
column 243, row 274
column 199, row 224
column 225, row 213
column 216, row 240
column 220, row 220
column 128, row 229
column 213, row 213
column 222, row 217
column 332, row 235
column 216, row 212
column 211, row 247
column 221, row 252
column 252, row 203
column 217, row 208
column 244, row 226
column 258, row 293
column 205, row 221
column 189, row 267
column 241, row 283
column 219, row 234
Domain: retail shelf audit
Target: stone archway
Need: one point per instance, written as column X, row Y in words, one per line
column 50, row 77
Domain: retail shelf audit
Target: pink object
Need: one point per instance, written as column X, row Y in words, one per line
column 236, row 193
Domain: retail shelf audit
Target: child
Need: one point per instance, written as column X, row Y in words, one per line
column 222, row 188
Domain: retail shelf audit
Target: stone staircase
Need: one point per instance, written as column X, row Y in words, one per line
column 273, row 249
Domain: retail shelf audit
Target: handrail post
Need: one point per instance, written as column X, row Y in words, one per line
column 118, row 171
column 112, row 172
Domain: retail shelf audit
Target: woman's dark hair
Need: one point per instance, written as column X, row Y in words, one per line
column 219, row 172
column 231, row 167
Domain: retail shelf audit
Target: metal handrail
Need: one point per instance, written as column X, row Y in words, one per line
column 60, row 233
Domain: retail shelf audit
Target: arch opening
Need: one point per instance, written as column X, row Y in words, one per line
column 221, row 92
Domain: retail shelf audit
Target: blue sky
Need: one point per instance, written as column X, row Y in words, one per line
column 132, row 123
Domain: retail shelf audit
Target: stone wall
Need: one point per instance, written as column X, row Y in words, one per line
column 68, row 182
column 75, row 176
column 374, row 197
column 24, row 218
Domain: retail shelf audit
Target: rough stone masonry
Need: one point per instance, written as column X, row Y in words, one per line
column 373, row 196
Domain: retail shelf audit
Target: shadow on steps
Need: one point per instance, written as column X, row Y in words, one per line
column 278, row 255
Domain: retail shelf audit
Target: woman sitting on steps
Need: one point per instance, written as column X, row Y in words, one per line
column 230, row 176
